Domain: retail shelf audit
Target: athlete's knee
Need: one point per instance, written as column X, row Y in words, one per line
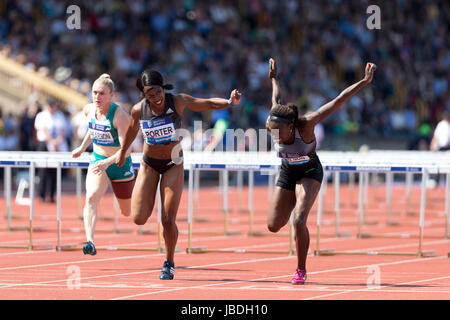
column 168, row 221
column 125, row 212
column 139, row 218
column 92, row 200
column 300, row 220
column 274, row 227
column 125, row 208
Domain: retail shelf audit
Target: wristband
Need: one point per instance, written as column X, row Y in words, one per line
column 229, row 102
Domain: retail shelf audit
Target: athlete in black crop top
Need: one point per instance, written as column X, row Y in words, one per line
column 158, row 115
column 301, row 172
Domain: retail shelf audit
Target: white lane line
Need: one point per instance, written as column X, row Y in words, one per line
column 280, row 276
column 383, row 286
column 149, row 271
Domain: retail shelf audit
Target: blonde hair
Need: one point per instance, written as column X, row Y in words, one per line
column 107, row 81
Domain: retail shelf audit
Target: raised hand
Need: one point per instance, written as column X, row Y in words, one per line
column 272, row 68
column 370, row 69
column 235, row 97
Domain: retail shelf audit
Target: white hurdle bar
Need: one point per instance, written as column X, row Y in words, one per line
column 365, row 169
column 236, row 161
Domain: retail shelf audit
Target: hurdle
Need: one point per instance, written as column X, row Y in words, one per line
column 377, row 157
column 446, row 170
column 58, row 160
column 338, row 233
column 223, row 166
column 225, row 204
column 408, row 181
column 204, row 249
column 336, row 179
column 8, row 165
column 75, row 247
column 196, row 199
column 362, row 169
column 30, row 229
column 224, row 187
column 238, row 162
column 425, row 173
column 193, row 192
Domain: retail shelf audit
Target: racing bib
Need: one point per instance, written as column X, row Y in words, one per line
column 101, row 134
column 158, row 131
column 294, row 158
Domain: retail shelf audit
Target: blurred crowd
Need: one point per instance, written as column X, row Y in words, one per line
column 206, row 49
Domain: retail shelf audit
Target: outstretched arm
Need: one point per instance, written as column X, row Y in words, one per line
column 327, row 109
column 183, row 101
column 130, row 135
column 87, row 138
column 82, row 148
column 276, row 97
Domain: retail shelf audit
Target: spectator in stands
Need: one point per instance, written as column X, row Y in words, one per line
column 27, row 134
column 51, row 127
column 414, row 54
column 8, row 132
column 441, row 135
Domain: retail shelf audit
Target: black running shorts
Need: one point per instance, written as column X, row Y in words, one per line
column 290, row 175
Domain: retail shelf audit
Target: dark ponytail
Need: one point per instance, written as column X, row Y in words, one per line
column 139, row 84
column 151, row 78
column 294, row 110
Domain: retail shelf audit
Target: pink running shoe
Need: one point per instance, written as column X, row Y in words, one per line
column 299, row 277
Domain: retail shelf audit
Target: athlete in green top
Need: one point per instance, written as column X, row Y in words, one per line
column 107, row 127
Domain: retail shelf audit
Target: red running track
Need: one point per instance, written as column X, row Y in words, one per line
column 122, row 275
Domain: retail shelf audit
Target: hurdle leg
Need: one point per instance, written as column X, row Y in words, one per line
column 239, row 186
column 366, row 196
column 78, row 192
column 32, row 174
column 423, row 253
column 319, row 215
column 422, row 208
column 360, row 203
column 225, row 200
column 7, row 188
column 389, row 178
column 351, row 178
column 336, row 201
column 409, row 181
column 58, row 205
column 447, row 206
column 250, row 202
column 190, row 196
column 196, row 193
column 270, row 184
